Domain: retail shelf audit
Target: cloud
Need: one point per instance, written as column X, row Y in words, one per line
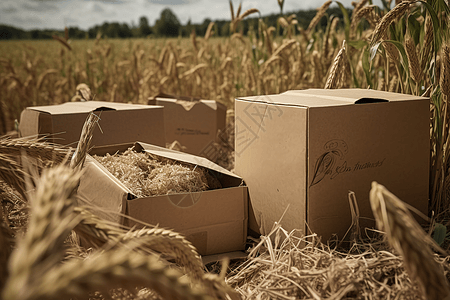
column 40, row 7
column 9, row 9
column 173, row 2
column 110, row 1
column 97, row 8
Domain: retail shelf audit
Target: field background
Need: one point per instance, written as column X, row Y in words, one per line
column 400, row 49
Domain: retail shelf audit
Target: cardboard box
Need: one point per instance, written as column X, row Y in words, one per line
column 193, row 123
column 215, row 221
column 305, row 150
column 119, row 122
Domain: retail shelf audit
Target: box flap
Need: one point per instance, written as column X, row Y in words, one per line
column 184, row 157
column 102, row 192
column 329, row 97
column 29, row 123
column 187, row 104
column 85, row 107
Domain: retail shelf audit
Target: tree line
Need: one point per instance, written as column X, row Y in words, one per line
column 168, row 25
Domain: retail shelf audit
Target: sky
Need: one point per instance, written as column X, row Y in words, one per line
column 56, row 14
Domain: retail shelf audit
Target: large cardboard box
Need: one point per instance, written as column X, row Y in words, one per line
column 302, row 151
column 119, row 122
column 193, row 123
column 215, row 221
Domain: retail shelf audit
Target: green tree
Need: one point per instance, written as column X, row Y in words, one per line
column 144, row 27
column 168, row 24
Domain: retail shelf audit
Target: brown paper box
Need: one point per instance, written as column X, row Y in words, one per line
column 215, row 221
column 119, row 122
column 303, row 151
column 194, row 124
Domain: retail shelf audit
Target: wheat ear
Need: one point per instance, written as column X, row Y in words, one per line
column 320, row 12
column 388, row 18
column 107, row 270
column 445, row 69
column 34, row 148
column 85, row 141
column 12, row 174
column 427, row 43
column 51, row 220
column 408, row 238
column 337, row 69
column 97, row 232
column 413, row 60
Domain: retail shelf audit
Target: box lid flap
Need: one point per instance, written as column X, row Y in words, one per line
column 188, row 104
column 85, row 107
column 102, row 192
column 185, row 157
column 330, row 97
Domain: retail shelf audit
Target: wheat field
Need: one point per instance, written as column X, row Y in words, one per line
column 53, row 249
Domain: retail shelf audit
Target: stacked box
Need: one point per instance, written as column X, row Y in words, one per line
column 301, row 152
column 119, row 123
column 193, row 123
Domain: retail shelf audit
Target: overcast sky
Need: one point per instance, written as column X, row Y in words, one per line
column 55, row 14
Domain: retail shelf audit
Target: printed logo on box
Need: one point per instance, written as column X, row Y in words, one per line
column 185, row 200
column 332, row 162
column 189, row 131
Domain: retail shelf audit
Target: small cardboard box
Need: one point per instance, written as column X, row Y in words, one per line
column 194, row 124
column 119, row 122
column 303, row 151
column 215, row 221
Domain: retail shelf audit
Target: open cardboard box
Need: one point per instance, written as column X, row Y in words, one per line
column 193, row 123
column 119, row 122
column 215, row 221
column 301, row 152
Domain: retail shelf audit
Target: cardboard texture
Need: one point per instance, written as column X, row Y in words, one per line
column 215, row 221
column 194, row 124
column 119, row 123
column 301, row 152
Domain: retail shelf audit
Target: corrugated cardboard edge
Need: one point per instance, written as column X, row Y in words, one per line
column 320, row 97
column 85, row 107
column 219, row 257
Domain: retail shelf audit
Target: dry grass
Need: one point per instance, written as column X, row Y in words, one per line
column 304, row 268
column 408, row 238
column 149, row 176
column 38, row 73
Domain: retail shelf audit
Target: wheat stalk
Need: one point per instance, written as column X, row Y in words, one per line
column 51, row 220
column 406, row 236
column 393, row 84
column 337, row 69
column 6, row 240
column 320, row 12
column 413, row 60
column 107, row 270
column 98, row 232
column 365, row 12
column 43, row 76
column 35, row 148
column 427, row 43
column 12, row 174
column 232, row 11
column 388, row 18
column 62, row 41
column 209, row 31
column 84, row 143
column 445, row 69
